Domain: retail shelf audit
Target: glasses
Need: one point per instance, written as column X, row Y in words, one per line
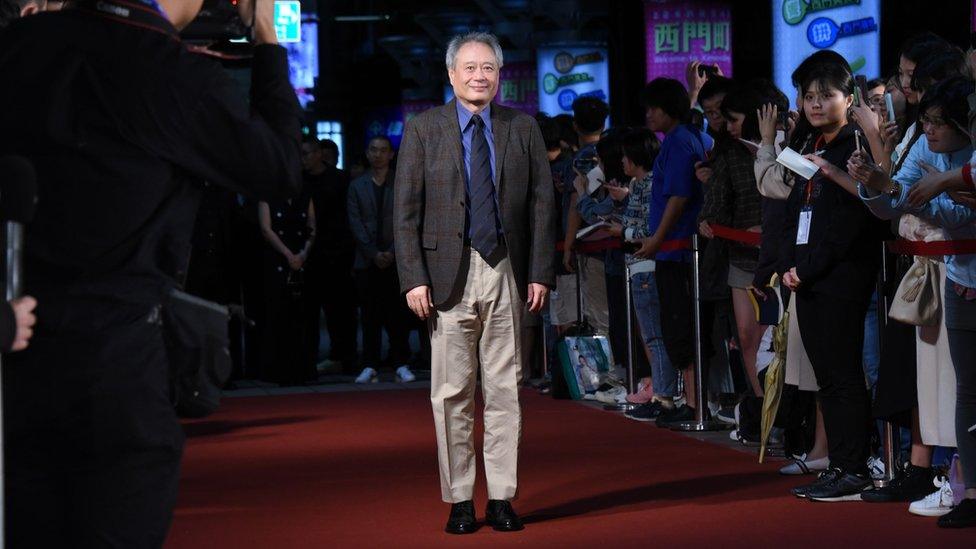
column 933, row 121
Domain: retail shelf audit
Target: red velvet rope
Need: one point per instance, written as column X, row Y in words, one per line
column 936, row 248
column 736, row 235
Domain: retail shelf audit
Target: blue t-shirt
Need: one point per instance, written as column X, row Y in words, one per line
column 674, row 175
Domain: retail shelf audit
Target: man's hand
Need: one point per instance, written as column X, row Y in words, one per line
column 791, row 280
column 703, row 172
column 24, row 315
column 890, row 134
column 261, row 12
column 568, row 262
column 705, row 229
column 649, row 246
column 694, row 78
column 296, row 261
column 867, row 119
column 931, row 184
column 617, row 192
column 537, row 297
column 418, row 299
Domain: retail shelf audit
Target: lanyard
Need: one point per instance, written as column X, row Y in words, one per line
column 809, row 188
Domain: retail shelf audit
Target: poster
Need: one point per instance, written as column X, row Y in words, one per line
column 849, row 27
column 571, row 71
column 680, row 31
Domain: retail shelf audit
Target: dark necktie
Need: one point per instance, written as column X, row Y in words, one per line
column 484, row 233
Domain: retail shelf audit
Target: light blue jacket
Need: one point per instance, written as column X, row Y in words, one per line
column 958, row 221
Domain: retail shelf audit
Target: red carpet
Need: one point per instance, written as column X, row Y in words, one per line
column 359, row 469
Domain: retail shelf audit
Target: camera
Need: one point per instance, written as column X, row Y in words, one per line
column 218, row 20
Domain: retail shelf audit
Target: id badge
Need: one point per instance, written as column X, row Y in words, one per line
column 803, row 226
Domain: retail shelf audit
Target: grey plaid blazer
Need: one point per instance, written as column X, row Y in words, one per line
column 429, row 212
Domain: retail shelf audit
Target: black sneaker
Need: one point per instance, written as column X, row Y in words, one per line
column 843, row 487
column 911, row 484
column 962, row 516
column 676, row 415
column 646, row 412
column 828, row 475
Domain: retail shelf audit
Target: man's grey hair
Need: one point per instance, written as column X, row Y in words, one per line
column 485, row 38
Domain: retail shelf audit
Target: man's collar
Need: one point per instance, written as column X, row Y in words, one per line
column 465, row 116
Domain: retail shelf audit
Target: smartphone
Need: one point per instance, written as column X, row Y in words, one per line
column 707, row 71
column 857, row 140
column 890, row 107
column 861, row 82
column 585, row 164
column 858, row 98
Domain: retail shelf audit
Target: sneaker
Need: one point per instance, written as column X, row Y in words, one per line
column 936, row 504
column 404, row 375
column 647, row 412
column 368, row 375
column 963, row 516
column 675, row 416
column 828, row 475
column 643, row 395
column 617, row 395
column 726, row 414
column 843, row 487
column 800, row 466
column 876, row 468
column 912, row 483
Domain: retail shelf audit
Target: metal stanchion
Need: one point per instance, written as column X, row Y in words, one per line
column 891, row 441
column 699, row 423
column 627, row 406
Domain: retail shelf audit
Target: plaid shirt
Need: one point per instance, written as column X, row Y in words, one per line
column 634, row 218
column 732, row 199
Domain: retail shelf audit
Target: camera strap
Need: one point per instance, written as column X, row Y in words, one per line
column 145, row 14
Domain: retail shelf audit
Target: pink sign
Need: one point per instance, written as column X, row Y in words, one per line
column 681, row 31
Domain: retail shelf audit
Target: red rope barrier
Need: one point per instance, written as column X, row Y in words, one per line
column 933, row 249
column 736, row 235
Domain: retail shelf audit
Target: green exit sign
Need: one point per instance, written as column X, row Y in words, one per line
column 288, row 21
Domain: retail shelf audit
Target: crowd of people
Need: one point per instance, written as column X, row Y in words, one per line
column 890, row 159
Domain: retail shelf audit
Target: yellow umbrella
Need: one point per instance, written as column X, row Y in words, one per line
column 775, row 373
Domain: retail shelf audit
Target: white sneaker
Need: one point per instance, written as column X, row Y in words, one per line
column 404, row 375
column 800, row 466
column 368, row 375
column 876, row 468
column 617, row 395
column 937, row 503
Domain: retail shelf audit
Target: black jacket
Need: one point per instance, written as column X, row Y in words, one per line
column 118, row 117
column 843, row 253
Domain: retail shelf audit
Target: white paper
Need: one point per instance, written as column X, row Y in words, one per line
column 594, row 178
column 596, row 231
column 803, row 227
column 799, row 165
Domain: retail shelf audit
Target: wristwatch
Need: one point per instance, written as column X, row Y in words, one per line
column 894, row 191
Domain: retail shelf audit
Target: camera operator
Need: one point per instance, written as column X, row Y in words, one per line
column 117, row 116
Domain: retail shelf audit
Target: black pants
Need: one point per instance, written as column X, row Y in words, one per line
column 329, row 283
column 833, row 335
column 617, row 309
column 383, row 307
column 92, row 443
column 674, row 280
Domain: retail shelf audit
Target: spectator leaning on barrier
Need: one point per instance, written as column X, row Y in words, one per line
column 676, row 199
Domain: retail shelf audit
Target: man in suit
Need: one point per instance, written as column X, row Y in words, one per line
column 371, row 222
column 475, row 235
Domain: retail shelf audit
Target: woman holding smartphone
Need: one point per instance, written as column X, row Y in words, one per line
column 830, row 259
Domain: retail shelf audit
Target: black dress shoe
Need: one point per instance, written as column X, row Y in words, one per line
column 501, row 517
column 462, row 519
column 962, row 516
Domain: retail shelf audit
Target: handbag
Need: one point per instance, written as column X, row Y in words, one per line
column 917, row 300
column 195, row 332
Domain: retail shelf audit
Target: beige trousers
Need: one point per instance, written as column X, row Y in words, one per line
column 479, row 327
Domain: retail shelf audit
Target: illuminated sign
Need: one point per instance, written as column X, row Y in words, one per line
column 849, row 27
column 288, row 21
column 569, row 72
column 678, row 32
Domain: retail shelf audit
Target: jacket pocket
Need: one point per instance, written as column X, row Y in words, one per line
column 429, row 241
